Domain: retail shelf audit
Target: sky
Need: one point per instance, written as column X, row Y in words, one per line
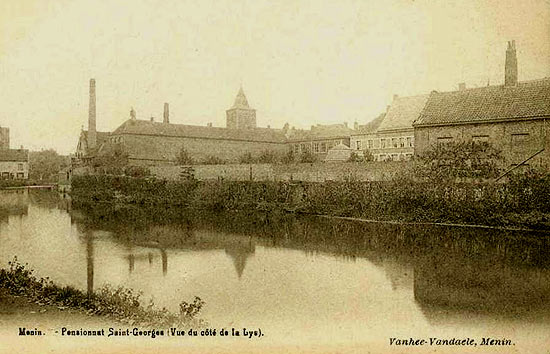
column 301, row 62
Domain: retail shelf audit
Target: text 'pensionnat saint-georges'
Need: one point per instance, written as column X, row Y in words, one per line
column 152, row 333
column 434, row 341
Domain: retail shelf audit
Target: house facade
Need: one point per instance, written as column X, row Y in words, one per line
column 14, row 163
column 514, row 117
column 319, row 139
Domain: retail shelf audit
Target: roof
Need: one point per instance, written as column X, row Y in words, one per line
column 371, row 126
column 18, row 155
column 100, row 136
column 143, row 127
column 240, row 101
column 318, row 132
column 403, row 112
column 485, row 104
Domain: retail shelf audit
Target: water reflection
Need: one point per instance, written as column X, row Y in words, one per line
column 291, row 271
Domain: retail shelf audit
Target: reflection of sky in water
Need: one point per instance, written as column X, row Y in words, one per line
column 295, row 294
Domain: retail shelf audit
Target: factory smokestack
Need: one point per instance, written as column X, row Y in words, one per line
column 166, row 114
column 92, row 134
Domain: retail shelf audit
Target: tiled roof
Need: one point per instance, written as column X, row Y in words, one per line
column 19, row 155
column 491, row 103
column 371, row 126
column 100, row 136
column 143, row 127
column 402, row 112
column 319, row 131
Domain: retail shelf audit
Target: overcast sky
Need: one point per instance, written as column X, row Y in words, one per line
column 302, row 62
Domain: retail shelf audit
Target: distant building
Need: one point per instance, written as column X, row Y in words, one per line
column 158, row 143
column 514, row 117
column 14, row 163
column 319, row 139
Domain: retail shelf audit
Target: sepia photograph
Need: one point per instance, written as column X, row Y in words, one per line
column 290, row 176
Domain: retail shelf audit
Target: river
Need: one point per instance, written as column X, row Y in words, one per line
column 300, row 279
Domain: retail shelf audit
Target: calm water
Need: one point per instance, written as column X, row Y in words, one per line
column 303, row 280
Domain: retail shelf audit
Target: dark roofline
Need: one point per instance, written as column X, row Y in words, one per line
column 290, row 140
column 485, row 121
column 201, row 137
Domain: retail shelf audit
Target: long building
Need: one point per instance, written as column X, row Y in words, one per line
column 514, row 117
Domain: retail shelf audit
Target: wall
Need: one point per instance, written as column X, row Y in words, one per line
column 317, row 172
column 517, row 140
column 150, row 150
column 14, row 170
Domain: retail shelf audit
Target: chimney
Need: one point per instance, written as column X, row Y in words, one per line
column 511, row 65
column 355, row 125
column 346, row 124
column 395, row 96
column 152, row 119
column 166, row 116
column 132, row 114
column 462, row 86
column 92, row 134
column 209, row 125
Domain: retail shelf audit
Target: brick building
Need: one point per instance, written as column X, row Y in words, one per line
column 157, row 143
column 14, row 163
column 393, row 138
column 319, row 139
column 513, row 117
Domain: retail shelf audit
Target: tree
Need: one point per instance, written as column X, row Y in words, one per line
column 46, row 164
column 111, row 160
column 213, row 160
column 183, row 157
column 367, row 155
column 267, row 156
column 355, row 157
column 308, row 157
column 289, row 157
column 462, row 159
column 247, row 158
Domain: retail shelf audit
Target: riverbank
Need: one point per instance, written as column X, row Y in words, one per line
column 21, row 292
column 519, row 203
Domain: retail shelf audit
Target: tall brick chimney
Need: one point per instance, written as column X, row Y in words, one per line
column 166, row 115
column 511, row 65
column 92, row 133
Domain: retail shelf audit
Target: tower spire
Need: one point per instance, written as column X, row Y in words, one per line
column 511, row 65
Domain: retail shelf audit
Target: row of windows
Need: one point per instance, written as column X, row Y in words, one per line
column 116, row 139
column 11, row 175
column 516, row 138
column 316, row 147
column 384, row 143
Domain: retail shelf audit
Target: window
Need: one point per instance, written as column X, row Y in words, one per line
column 394, row 142
column 304, row 147
column 358, row 144
column 5, row 175
column 480, row 138
column 383, row 143
column 519, row 138
column 20, row 175
column 382, row 157
column 409, row 141
column 395, row 157
column 370, row 144
column 296, row 148
column 316, row 147
column 19, row 167
column 323, row 147
column 402, row 142
column 408, row 156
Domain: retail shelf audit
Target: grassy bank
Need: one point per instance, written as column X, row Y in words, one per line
column 120, row 304
column 520, row 202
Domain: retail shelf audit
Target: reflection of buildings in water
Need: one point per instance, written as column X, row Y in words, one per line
column 90, row 262
column 400, row 274
column 239, row 252
column 447, row 283
column 150, row 257
column 13, row 203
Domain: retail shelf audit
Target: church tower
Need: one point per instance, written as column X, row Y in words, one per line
column 240, row 116
column 511, row 65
